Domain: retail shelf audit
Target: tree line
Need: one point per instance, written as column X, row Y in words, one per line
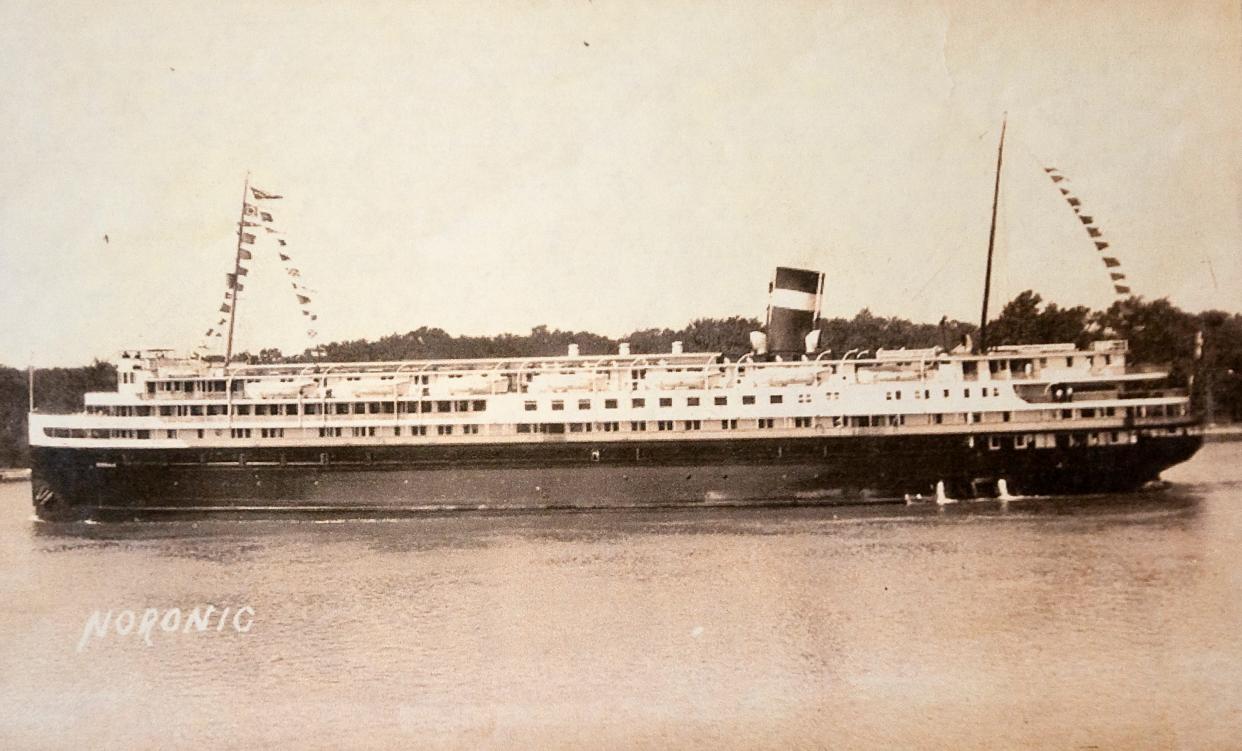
column 1159, row 333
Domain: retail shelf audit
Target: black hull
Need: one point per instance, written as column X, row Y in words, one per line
column 70, row 484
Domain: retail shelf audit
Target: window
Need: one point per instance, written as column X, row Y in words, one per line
column 692, row 401
column 531, row 406
column 721, row 401
column 341, row 409
column 776, row 399
column 558, row 405
column 640, row 402
column 666, row 402
column 363, row 432
column 748, row 399
column 444, row 429
column 802, row 422
column 478, row 405
column 269, row 433
column 236, row 432
column 728, row 424
column 664, row 425
column 470, row 429
column 418, row 430
column 584, row 404
column 966, row 393
column 610, row 404
column 329, row 432
column 609, row 427
column 693, row 424
column 638, row 425
column 766, row 422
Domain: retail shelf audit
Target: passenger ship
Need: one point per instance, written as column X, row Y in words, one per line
column 786, row 423
column 185, row 435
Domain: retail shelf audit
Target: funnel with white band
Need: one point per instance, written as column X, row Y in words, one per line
column 793, row 308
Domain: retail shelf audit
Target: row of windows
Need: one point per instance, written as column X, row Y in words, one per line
column 338, row 408
column 1058, row 440
column 896, row 395
column 639, row 402
column 995, row 442
column 831, row 421
column 458, row 406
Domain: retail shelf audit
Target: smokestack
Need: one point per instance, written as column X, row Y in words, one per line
column 677, row 348
column 623, row 349
column 573, row 350
column 794, row 299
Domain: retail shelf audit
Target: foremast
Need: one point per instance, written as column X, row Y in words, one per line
column 257, row 220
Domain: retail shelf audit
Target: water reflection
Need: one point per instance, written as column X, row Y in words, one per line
column 1051, row 622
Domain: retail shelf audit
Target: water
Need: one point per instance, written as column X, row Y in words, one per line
column 1057, row 623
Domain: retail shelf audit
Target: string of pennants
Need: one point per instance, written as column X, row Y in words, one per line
column 258, row 221
column 1111, row 262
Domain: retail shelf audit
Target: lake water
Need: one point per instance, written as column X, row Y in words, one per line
column 1055, row 623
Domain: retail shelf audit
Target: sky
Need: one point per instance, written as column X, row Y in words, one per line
column 601, row 166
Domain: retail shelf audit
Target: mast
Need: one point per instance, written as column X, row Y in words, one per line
column 241, row 227
column 987, row 277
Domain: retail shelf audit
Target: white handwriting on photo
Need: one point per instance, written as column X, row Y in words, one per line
column 146, row 624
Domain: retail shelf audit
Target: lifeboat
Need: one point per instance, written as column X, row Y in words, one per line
column 787, row 375
column 471, row 383
column 570, row 380
column 279, row 389
column 673, row 379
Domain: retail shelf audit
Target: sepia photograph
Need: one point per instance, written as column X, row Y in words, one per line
column 621, row 374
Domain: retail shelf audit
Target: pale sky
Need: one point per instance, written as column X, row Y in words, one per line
column 603, row 166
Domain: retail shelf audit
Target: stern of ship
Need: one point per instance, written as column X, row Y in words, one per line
column 60, row 485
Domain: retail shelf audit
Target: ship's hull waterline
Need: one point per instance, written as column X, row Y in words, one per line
column 115, row 484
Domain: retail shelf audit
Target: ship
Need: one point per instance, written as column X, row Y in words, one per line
column 784, row 423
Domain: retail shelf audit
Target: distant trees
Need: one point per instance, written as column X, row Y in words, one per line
column 1159, row 333
column 1023, row 321
column 867, row 331
column 56, row 390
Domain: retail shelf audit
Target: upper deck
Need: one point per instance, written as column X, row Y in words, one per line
column 144, row 376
